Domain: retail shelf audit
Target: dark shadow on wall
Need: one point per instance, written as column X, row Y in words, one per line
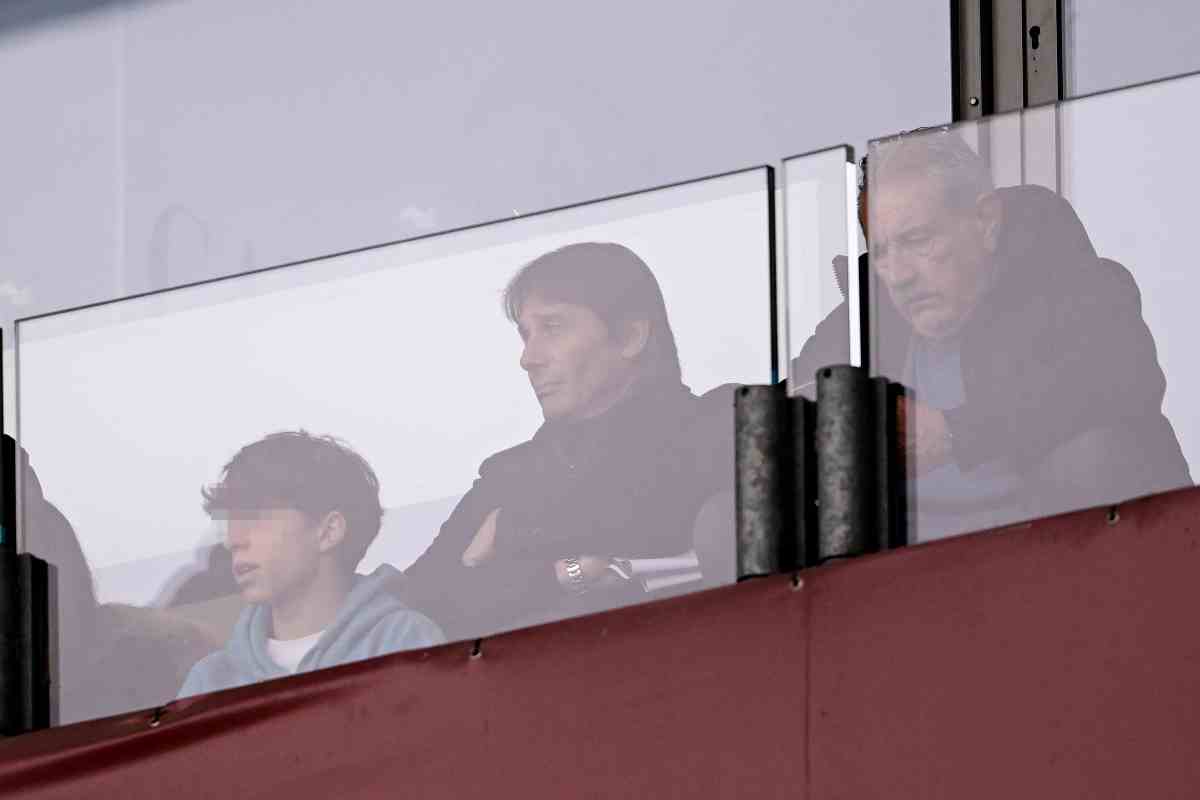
column 21, row 16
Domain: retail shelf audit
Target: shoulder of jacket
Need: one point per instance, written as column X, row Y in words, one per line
column 715, row 404
column 212, row 673
column 507, row 459
column 405, row 628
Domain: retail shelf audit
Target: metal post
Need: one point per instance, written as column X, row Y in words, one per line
column 846, row 467
column 24, row 611
column 1005, row 55
column 970, row 65
column 891, row 513
column 763, row 459
column 804, row 550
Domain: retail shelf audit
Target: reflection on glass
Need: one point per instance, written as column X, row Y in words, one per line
column 439, row 439
column 821, row 237
column 1034, row 382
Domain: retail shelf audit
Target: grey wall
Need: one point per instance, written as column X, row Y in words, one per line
column 1112, row 44
column 154, row 143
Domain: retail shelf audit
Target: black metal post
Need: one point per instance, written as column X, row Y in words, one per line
column 847, row 471
column 804, row 482
column 762, row 448
column 24, row 611
column 891, row 513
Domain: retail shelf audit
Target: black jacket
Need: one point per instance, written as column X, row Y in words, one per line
column 626, row 484
column 1056, row 348
column 1060, row 372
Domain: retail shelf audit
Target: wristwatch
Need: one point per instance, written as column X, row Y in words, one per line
column 575, row 574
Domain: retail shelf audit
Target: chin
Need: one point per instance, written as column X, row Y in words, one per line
column 553, row 410
column 938, row 327
column 254, row 594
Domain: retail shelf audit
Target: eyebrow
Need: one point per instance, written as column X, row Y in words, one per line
column 543, row 316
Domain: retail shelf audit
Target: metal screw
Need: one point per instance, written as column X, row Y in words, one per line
column 974, row 101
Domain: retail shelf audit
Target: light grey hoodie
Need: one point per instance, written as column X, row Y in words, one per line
column 371, row 622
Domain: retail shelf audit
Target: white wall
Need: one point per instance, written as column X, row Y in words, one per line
column 1111, row 44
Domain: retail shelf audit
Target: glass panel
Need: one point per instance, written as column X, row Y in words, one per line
column 821, row 238
column 1029, row 289
column 539, row 409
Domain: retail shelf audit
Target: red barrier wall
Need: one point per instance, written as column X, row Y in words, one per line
column 1060, row 659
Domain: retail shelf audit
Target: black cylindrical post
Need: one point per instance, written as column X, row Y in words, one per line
column 8, row 476
column 24, row 613
column 891, row 511
column 846, row 467
column 12, row 645
column 804, row 482
column 763, row 463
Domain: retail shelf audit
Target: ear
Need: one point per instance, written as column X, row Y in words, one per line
column 331, row 531
column 989, row 216
column 637, row 334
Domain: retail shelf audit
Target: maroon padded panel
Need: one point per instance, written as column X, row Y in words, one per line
column 697, row 696
column 1059, row 659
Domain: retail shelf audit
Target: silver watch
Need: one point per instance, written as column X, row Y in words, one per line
column 575, row 574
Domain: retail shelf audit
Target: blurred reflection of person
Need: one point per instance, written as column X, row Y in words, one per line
column 110, row 658
column 1036, row 383
column 302, row 511
column 628, row 465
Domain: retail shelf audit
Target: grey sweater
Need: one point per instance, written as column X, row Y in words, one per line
column 371, row 622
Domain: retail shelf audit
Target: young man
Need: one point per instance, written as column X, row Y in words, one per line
column 302, row 511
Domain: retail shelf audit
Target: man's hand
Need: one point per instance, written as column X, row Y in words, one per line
column 483, row 546
column 595, row 573
column 924, row 436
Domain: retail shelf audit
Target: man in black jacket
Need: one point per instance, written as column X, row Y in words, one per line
column 1035, row 382
column 629, row 464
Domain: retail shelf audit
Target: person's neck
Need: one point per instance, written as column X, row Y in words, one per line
column 312, row 610
column 619, row 394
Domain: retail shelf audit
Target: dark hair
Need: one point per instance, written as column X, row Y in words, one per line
column 314, row 475
column 612, row 281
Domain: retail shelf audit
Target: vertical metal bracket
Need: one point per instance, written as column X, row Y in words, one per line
column 891, row 510
column 970, row 59
column 1043, row 52
column 1005, row 55
column 24, row 644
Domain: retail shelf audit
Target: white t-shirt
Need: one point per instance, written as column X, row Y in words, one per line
column 288, row 653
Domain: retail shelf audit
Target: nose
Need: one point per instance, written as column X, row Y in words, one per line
column 533, row 356
column 235, row 537
column 895, row 268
